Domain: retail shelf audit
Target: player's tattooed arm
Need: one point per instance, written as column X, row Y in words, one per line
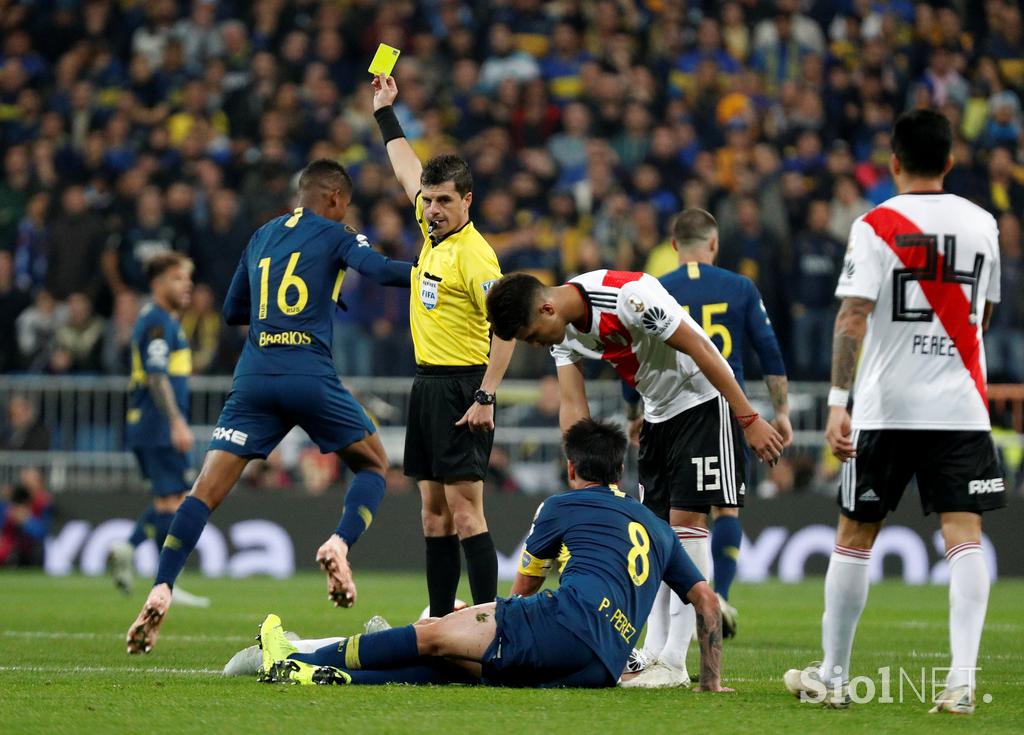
column 709, row 636
column 163, row 396
column 851, row 326
column 778, row 389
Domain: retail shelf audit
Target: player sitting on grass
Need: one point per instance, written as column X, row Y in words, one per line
column 577, row 636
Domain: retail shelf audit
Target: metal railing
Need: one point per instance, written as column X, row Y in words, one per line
column 84, row 420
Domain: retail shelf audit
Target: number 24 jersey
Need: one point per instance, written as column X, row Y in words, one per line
column 929, row 261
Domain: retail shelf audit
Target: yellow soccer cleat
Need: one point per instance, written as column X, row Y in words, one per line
column 273, row 644
column 290, row 671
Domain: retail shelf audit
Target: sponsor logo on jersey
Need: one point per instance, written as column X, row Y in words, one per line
column 849, row 267
column 157, row 354
column 870, row 496
column 486, row 285
column 655, row 320
column 985, row 487
column 230, row 435
column 636, row 304
column 288, row 339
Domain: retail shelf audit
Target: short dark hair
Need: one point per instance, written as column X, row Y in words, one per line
column 163, row 262
column 323, row 173
column 448, row 167
column 922, row 140
column 596, row 450
column 510, row 303
column 693, row 226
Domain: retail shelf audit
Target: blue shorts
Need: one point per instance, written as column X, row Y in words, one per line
column 164, row 469
column 532, row 649
column 261, row 409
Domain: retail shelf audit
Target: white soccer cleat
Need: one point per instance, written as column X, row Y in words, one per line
column 248, row 661
column 730, row 618
column 376, row 624
column 658, row 676
column 956, row 701
column 183, row 597
column 807, row 685
column 121, row 561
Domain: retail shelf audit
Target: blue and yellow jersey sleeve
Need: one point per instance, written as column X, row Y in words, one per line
column 544, row 543
column 761, row 334
column 159, row 347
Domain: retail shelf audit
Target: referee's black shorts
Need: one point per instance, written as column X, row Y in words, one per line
column 435, row 448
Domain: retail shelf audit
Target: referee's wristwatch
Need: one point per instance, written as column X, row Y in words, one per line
column 484, row 398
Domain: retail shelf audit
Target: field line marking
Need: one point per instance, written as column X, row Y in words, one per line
column 108, row 670
column 104, row 636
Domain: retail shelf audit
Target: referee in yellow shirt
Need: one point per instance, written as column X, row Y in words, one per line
column 458, row 364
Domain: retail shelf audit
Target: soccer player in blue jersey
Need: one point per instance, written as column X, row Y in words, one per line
column 156, row 427
column 576, row 636
column 729, row 308
column 286, row 288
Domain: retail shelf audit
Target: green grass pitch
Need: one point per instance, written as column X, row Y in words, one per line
column 63, row 667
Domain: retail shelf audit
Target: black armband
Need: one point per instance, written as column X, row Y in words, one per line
column 388, row 123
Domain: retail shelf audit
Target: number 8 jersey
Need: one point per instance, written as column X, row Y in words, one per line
column 930, row 262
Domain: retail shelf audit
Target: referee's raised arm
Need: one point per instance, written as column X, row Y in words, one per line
column 404, row 161
column 459, row 364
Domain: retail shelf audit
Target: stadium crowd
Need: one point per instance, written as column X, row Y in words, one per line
column 132, row 127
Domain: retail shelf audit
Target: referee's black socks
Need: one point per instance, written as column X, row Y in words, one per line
column 482, row 566
column 443, row 570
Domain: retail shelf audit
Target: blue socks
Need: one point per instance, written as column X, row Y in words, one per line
column 726, row 537
column 161, row 527
column 187, row 526
column 387, row 649
column 361, row 502
column 144, row 527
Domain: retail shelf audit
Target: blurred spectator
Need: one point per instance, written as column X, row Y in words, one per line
column 14, row 191
column 504, row 61
column 148, row 234
column 80, row 338
column 76, row 243
column 846, row 205
column 545, row 411
column 1004, row 191
column 36, row 327
column 218, row 246
column 202, row 325
column 26, row 514
column 24, row 431
column 13, row 301
column 817, row 258
column 117, row 337
column 1004, row 341
column 32, row 247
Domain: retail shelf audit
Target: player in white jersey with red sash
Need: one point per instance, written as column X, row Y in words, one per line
column 918, row 285
column 695, row 412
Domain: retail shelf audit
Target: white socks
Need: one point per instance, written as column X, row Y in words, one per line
column 968, row 601
column 657, row 622
column 846, row 592
column 309, row 645
column 682, row 617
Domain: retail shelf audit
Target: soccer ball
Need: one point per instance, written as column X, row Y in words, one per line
column 459, row 605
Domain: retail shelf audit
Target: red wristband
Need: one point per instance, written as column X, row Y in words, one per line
column 746, row 421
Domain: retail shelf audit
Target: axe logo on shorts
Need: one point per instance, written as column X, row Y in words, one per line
column 231, row 435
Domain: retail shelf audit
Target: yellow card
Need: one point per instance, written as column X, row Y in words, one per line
column 384, row 60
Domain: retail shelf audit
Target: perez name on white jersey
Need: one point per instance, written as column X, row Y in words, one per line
column 929, row 262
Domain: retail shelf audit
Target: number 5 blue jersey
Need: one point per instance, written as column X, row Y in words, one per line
column 728, row 307
column 619, row 553
column 286, row 288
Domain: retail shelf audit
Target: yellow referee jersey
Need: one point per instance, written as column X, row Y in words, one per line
column 447, row 304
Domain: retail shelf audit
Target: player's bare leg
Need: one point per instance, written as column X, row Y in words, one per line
column 219, row 474
column 365, row 455
column 463, row 635
column 846, row 594
column 968, row 603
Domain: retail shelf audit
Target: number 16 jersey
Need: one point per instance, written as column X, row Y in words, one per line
column 929, row 261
